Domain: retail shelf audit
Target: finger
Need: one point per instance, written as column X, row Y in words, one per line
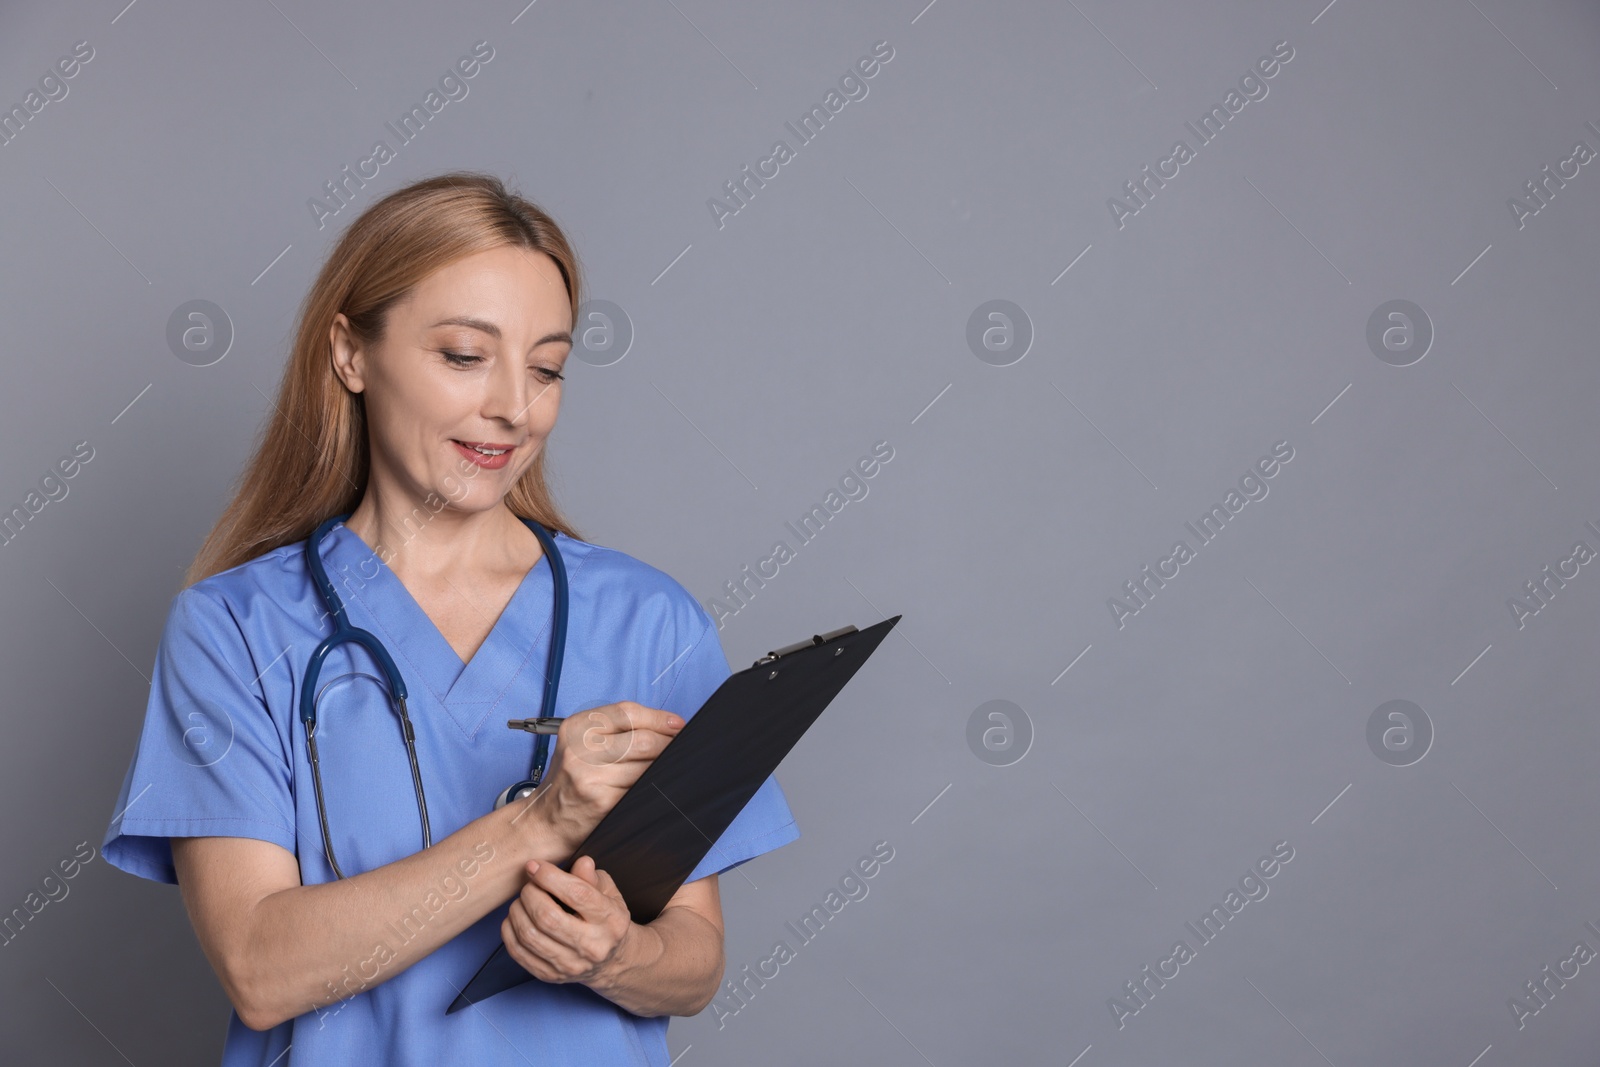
column 628, row 715
column 578, row 893
column 607, row 746
column 607, row 885
column 604, row 735
column 640, row 717
column 546, row 912
column 533, row 896
column 537, row 925
column 518, row 937
column 583, row 867
column 535, row 940
column 604, row 885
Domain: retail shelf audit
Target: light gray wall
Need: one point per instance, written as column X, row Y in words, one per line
column 1162, row 754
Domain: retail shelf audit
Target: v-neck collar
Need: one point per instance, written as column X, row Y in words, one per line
column 518, row 643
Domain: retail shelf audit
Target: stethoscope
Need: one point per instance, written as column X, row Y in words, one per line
column 544, row 726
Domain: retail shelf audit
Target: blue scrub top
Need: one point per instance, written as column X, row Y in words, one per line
column 222, row 754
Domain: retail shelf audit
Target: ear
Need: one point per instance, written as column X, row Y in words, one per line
column 349, row 361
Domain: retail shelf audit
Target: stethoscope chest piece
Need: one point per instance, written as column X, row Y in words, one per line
column 520, row 791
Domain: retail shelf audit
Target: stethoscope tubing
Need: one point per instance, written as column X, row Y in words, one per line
column 344, row 632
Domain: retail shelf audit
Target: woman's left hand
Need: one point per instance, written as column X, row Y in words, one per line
column 555, row 946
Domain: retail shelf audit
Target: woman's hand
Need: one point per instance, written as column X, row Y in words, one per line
column 599, row 754
column 555, row 946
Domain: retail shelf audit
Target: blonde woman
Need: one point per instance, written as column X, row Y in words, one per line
column 321, row 760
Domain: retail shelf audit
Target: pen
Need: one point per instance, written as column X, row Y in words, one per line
column 535, row 726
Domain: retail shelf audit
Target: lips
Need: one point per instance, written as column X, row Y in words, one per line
column 491, row 455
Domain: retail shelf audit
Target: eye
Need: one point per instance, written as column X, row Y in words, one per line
column 549, row 375
column 457, row 359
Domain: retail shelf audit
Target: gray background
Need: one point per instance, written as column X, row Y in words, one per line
column 1229, row 314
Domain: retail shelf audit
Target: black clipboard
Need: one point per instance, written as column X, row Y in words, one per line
column 669, row 820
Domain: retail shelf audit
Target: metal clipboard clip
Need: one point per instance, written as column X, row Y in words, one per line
column 800, row 646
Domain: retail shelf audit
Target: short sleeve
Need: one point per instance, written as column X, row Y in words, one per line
column 765, row 823
column 209, row 762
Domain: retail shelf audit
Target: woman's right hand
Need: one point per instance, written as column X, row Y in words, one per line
column 599, row 754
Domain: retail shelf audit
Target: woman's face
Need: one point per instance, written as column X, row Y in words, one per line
column 469, row 366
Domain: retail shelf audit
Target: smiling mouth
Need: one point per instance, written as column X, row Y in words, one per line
column 484, row 448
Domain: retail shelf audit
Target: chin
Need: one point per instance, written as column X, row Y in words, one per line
column 480, row 501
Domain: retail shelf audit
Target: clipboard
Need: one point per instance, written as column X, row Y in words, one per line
column 670, row 818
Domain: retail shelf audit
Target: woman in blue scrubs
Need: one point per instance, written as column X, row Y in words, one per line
column 424, row 382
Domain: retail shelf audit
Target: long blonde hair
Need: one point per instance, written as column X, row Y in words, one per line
column 311, row 457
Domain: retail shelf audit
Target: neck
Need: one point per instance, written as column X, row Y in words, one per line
column 414, row 540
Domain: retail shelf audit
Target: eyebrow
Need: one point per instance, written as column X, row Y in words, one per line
column 494, row 331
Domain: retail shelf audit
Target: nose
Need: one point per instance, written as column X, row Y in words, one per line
column 513, row 394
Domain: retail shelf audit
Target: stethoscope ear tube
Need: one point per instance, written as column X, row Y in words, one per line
column 416, row 772
column 558, row 639
column 552, row 674
column 322, row 811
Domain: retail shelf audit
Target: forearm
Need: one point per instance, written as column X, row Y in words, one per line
column 669, row 967
column 310, row 946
